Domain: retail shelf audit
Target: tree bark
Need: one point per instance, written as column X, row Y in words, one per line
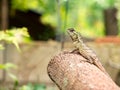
column 111, row 22
column 4, row 16
column 70, row 71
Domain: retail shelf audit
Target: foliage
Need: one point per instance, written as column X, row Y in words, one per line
column 24, row 5
column 106, row 3
column 33, row 87
column 7, row 68
column 15, row 36
column 117, row 5
column 86, row 17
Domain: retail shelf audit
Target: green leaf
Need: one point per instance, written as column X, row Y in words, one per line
column 16, row 44
column 2, row 66
column 7, row 66
column 25, row 87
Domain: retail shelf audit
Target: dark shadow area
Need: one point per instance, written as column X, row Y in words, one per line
column 31, row 20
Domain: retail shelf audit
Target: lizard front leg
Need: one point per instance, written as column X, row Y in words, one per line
column 76, row 51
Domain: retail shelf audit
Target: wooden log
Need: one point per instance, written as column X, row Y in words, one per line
column 70, row 71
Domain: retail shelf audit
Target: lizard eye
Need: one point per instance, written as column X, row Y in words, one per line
column 71, row 29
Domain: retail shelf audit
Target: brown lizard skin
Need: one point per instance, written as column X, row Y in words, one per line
column 84, row 50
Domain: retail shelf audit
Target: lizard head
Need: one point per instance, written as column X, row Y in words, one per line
column 73, row 34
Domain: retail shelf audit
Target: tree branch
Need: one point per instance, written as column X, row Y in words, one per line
column 70, row 71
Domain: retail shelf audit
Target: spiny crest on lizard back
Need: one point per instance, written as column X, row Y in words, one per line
column 75, row 36
column 84, row 50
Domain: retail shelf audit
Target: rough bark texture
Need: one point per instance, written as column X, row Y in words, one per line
column 70, row 71
column 111, row 21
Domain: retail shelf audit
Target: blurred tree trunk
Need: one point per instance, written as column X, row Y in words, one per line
column 111, row 27
column 4, row 26
column 4, row 14
column 0, row 14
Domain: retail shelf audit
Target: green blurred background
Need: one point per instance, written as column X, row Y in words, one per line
column 42, row 20
column 46, row 19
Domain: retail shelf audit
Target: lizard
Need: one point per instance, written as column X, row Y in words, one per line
column 84, row 50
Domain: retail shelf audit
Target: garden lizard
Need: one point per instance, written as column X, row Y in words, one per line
column 84, row 50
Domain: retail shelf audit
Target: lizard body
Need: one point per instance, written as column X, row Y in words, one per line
column 84, row 50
